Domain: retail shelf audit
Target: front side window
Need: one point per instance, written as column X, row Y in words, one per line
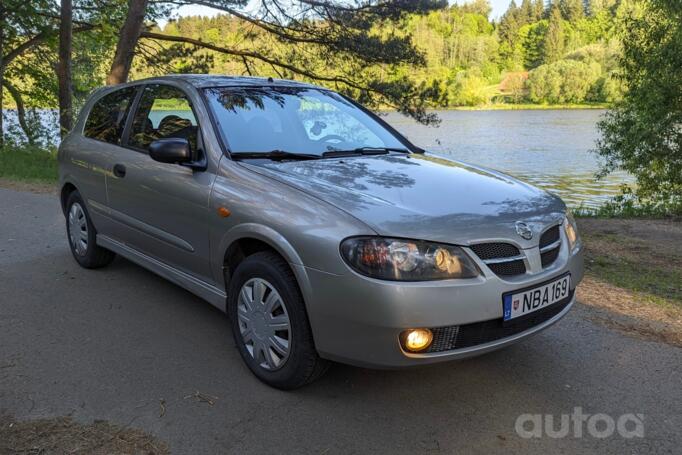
column 163, row 112
column 297, row 120
column 107, row 117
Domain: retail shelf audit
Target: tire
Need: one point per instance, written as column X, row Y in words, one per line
column 261, row 345
column 83, row 241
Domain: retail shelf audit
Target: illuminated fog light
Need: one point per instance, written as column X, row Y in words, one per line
column 416, row 340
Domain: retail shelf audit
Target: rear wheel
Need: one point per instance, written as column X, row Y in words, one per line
column 270, row 325
column 82, row 235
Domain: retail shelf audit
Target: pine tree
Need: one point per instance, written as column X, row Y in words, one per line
column 572, row 10
column 553, row 47
column 527, row 13
column 509, row 24
column 539, row 10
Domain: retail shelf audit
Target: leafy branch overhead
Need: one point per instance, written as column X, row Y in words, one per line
column 334, row 42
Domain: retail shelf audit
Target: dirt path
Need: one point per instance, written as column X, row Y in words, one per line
column 634, row 276
column 30, row 187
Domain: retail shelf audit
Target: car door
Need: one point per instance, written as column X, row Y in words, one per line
column 160, row 209
column 89, row 154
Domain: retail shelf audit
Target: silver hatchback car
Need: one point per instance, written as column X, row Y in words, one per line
column 322, row 232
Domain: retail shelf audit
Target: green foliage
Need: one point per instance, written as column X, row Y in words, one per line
column 416, row 55
column 468, row 89
column 565, row 81
column 628, row 205
column 553, row 46
column 572, row 10
column 642, row 133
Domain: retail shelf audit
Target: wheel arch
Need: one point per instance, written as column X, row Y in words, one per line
column 246, row 239
column 66, row 190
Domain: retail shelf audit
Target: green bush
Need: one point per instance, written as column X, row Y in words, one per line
column 468, row 89
column 565, row 81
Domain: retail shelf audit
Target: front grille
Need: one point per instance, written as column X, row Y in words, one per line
column 468, row 335
column 548, row 257
column 494, row 250
column 491, row 252
column 550, row 236
column 510, row 268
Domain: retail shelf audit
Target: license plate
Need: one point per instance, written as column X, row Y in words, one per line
column 524, row 302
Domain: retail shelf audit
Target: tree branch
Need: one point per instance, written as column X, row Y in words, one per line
column 37, row 39
column 257, row 56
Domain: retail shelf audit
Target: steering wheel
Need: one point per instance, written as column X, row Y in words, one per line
column 331, row 137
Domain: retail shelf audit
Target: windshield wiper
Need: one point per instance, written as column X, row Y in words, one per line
column 275, row 155
column 363, row 151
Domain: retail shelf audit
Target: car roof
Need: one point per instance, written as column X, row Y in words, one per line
column 216, row 80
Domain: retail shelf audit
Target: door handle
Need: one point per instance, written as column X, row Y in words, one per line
column 119, row 170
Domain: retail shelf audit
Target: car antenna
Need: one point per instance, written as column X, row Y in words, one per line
column 270, row 79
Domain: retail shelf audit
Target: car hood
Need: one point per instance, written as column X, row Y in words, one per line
column 424, row 196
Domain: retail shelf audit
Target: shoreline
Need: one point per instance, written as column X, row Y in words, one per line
column 482, row 107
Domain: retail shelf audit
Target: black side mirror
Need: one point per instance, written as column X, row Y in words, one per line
column 170, row 150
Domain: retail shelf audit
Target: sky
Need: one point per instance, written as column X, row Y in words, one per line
column 499, row 7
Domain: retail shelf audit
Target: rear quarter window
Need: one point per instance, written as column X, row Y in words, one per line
column 107, row 117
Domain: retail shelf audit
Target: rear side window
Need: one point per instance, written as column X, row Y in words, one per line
column 107, row 117
column 163, row 112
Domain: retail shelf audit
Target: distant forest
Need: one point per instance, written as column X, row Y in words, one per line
column 563, row 52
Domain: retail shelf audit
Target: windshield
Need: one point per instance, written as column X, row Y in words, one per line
column 295, row 120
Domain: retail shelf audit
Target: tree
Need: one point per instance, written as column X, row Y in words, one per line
column 341, row 34
column 127, row 41
column 539, row 9
column 23, row 27
column 481, row 7
column 572, row 10
column 64, row 67
column 553, row 47
column 642, row 133
column 527, row 11
column 508, row 30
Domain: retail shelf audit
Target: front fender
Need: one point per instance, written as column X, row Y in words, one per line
column 275, row 240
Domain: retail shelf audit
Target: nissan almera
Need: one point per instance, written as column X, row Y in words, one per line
column 321, row 231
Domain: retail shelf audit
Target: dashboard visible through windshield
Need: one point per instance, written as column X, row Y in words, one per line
column 296, row 120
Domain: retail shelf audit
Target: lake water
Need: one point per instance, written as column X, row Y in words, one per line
column 548, row 148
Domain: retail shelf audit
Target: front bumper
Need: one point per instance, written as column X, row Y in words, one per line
column 358, row 320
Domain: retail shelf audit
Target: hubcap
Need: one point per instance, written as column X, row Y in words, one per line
column 264, row 323
column 78, row 229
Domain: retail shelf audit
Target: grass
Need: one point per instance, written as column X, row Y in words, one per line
column 657, row 285
column 633, row 279
column 28, row 164
column 642, row 266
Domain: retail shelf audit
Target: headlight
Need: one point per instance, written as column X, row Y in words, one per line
column 406, row 260
column 571, row 229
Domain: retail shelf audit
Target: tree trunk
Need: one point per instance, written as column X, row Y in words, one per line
column 64, row 68
column 21, row 110
column 127, row 40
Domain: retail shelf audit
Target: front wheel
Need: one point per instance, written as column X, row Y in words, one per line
column 270, row 324
column 82, row 235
